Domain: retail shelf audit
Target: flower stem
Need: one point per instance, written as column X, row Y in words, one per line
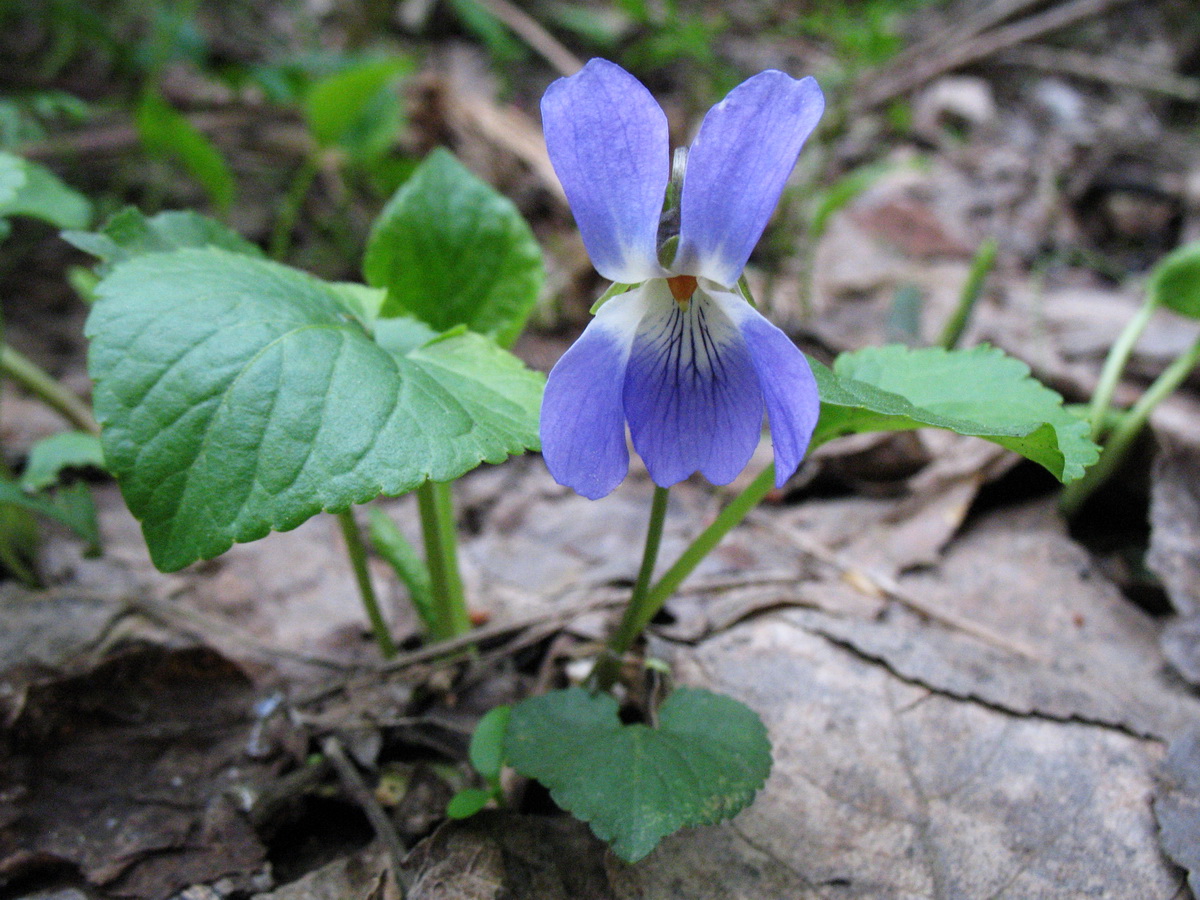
column 357, row 552
column 638, row 616
column 609, row 665
column 448, row 614
column 289, row 208
column 34, row 379
column 1114, row 366
column 981, row 267
column 1123, row 435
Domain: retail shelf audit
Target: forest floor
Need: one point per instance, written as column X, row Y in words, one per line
column 968, row 696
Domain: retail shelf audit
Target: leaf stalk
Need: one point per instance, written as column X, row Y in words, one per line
column 448, row 612
column 357, row 551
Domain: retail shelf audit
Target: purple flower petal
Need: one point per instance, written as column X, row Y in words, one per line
column 786, row 381
column 608, row 141
column 691, row 395
column 736, row 169
column 583, row 416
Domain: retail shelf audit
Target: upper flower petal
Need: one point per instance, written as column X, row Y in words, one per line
column 787, row 383
column 691, row 393
column 608, row 141
column 736, row 170
column 583, row 415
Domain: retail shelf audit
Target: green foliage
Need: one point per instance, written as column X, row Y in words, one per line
column 71, row 506
column 835, row 197
column 1175, row 281
column 487, row 756
column 27, row 189
column 357, row 108
column 980, row 391
column 167, row 133
column 129, row 233
column 503, row 47
column 50, row 456
column 862, row 34
column 635, row 784
column 24, row 118
column 673, row 33
column 239, row 396
column 451, row 250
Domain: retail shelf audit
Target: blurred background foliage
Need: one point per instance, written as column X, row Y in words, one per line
column 291, row 119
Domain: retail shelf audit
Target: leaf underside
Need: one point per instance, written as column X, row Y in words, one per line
column 635, row 784
column 239, row 397
column 980, row 391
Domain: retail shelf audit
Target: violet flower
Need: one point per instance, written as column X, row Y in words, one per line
column 682, row 357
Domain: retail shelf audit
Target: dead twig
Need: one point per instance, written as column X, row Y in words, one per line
column 1102, row 68
column 549, row 619
column 895, row 81
column 353, row 784
column 880, row 584
column 212, row 629
column 532, row 33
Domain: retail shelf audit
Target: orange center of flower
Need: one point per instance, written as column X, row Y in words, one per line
column 682, row 287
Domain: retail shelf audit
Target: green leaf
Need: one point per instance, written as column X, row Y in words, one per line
column 635, row 784
column 166, row 132
column 1175, row 281
column 27, row 189
column 66, row 450
column 980, row 391
column 485, row 26
column 467, row 802
column 129, row 233
column 357, row 108
column 71, row 506
column 487, row 743
column 452, row 251
column 239, row 396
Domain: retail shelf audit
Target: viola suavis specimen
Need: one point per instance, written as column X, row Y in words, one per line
column 682, row 356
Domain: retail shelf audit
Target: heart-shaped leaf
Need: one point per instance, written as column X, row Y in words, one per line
column 358, row 108
column 1175, row 281
column 239, row 396
column 27, row 189
column 980, row 391
column 452, row 251
column 65, row 450
column 634, row 784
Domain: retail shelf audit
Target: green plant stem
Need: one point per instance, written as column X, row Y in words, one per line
column 289, row 208
column 448, row 617
column 1125, row 433
column 1114, row 366
column 33, row 378
column 981, row 266
column 636, row 619
column 357, row 551
column 608, row 666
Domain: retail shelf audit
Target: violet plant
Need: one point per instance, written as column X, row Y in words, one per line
column 678, row 353
column 239, row 396
column 1174, row 285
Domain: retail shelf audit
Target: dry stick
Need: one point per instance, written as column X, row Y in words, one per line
column 361, row 794
column 885, row 585
column 1099, row 68
column 969, row 27
column 532, row 33
column 984, row 46
column 208, row 628
column 462, row 642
